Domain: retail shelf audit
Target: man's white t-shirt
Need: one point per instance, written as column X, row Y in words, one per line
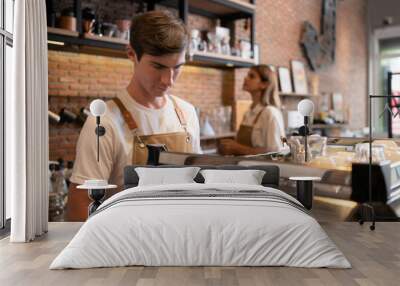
column 268, row 129
column 116, row 144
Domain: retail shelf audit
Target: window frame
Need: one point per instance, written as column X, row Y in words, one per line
column 2, row 118
column 6, row 39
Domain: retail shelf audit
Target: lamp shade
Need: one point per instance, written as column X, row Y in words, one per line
column 305, row 107
column 98, row 107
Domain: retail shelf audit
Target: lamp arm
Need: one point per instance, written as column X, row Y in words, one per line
column 306, row 121
column 98, row 137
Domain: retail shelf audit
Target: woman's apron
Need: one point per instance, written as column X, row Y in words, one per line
column 174, row 141
column 245, row 132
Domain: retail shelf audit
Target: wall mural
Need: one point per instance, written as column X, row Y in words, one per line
column 320, row 49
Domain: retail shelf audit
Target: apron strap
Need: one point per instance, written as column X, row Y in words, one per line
column 244, row 134
column 257, row 117
column 179, row 113
column 126, row 114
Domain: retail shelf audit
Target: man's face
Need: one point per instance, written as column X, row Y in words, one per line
column 157, row 74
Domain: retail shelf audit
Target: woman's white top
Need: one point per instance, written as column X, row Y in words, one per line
column 268, row 129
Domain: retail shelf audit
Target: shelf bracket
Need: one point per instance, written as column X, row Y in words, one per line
column 183, row 10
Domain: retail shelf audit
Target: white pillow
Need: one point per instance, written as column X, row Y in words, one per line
column 164, row 176
column 248, row 177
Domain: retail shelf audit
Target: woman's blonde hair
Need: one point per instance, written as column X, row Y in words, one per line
column 271, row 93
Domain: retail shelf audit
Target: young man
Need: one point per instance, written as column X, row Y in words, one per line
column 144, row 113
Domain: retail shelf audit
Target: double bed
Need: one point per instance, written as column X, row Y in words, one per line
column 201, row 224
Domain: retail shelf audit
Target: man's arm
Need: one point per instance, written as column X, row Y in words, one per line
column 86, row 167
column 77, row 205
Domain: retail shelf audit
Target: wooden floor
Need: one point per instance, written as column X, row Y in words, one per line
column 374, row 255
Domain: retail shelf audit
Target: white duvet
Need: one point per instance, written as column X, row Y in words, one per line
column 190, row 231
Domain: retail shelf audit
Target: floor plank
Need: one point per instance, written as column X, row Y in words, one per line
column 375, row 257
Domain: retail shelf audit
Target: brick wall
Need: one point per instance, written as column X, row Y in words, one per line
column 278, row 31
column 75, row 79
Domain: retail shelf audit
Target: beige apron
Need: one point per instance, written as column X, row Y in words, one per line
column 245, row 132
column 174, row 141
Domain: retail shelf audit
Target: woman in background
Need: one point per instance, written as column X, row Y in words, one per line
column 262, row 128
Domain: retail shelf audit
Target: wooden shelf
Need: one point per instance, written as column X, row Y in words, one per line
column 218, row 136
column 61, row 39
column 297, row 95
column 214, row 59
column 117, row 46
column 64, row 32
column 328, row 126
column 105, row 39
column 228, row 9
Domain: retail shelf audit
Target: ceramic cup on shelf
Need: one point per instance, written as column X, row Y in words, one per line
column 68, row 23
column 67, row 19
column 109, row 29
column 194, row 40
column 123, row 27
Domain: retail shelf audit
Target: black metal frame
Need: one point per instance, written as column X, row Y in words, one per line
column 2, row 101
column 389, row 102
column 6, row 39
column 85, row 42
column 369, row 205
column 5, row 231
column 184, row 9
column 205, row 60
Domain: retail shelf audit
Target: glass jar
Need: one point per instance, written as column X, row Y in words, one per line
column 362, row 153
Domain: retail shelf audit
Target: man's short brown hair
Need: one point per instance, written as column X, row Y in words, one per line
column 157, row 33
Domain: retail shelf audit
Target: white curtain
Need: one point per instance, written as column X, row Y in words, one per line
column 27, row 124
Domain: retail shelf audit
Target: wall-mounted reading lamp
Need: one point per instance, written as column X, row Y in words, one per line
column 98, row 108
column 306, row 109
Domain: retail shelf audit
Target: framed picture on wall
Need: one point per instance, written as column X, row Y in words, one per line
column 324, row 102
column 285, row 81
column 338, row 106
column 299, row 77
